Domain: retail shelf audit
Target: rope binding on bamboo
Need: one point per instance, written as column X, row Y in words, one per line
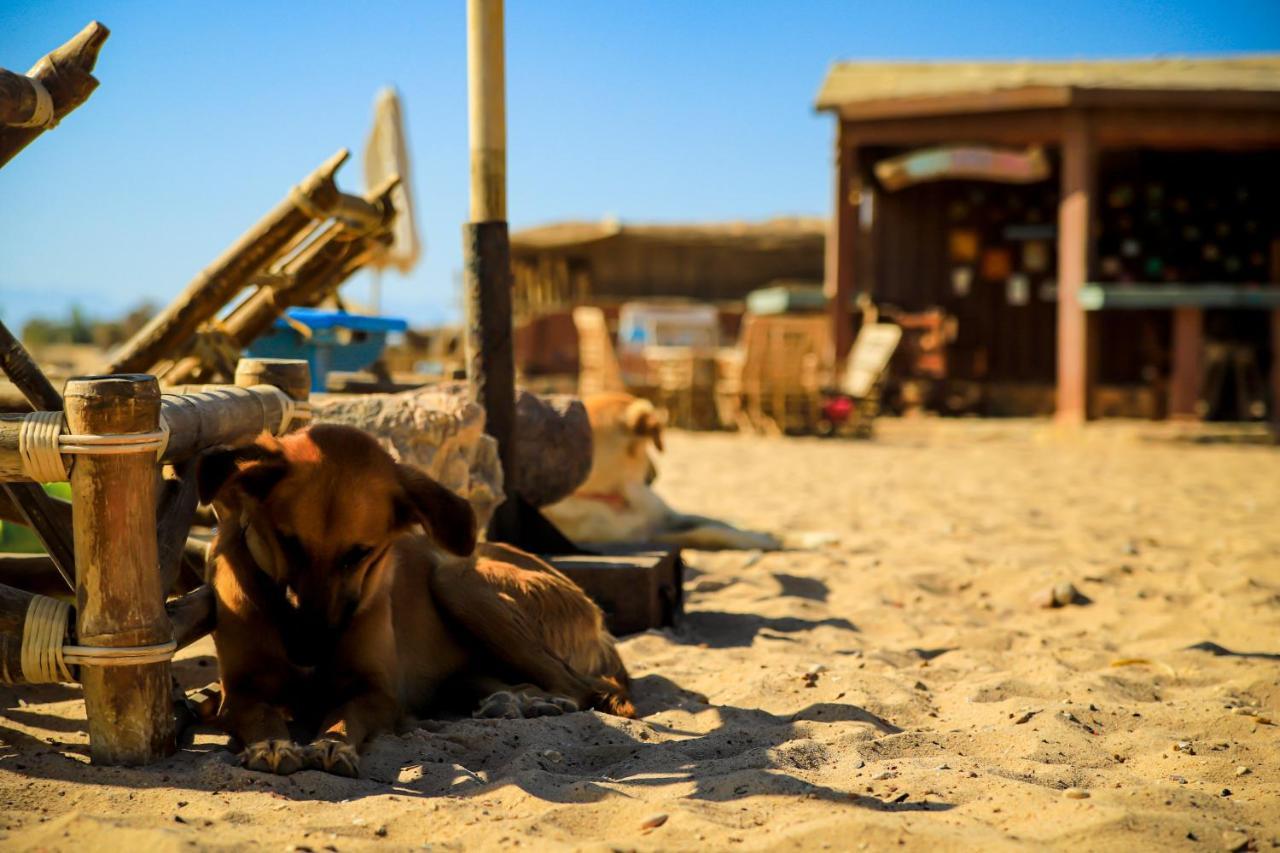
column 46, row 660
column 42, row 443
column 43, row 114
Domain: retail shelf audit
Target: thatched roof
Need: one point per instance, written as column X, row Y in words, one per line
column 851, row 83
column 778, row 231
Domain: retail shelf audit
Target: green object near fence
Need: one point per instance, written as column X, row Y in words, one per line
column 20, row 539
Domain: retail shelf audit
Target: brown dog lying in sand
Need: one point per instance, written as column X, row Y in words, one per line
column 333, row 613
column 617, row 503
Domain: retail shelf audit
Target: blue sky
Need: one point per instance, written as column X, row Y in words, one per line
column 646, row 110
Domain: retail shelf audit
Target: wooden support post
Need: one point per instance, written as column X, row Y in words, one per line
column 218, row 283
column 119, row 599
column 842, row 250
column 486, row 245
column 1076, row 248
column 64, row 73
column 1188, row 367
column 37, row 508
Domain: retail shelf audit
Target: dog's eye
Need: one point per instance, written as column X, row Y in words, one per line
column 355, row 556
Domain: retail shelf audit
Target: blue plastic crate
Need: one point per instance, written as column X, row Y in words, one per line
column 337, row 341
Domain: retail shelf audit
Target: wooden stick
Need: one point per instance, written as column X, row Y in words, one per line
column 36, row 508
column 177, row 509
column 64, row 72
column 192, row 615
column 121, row 602
column 218, row 283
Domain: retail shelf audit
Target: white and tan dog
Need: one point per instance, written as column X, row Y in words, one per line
column 617, row 503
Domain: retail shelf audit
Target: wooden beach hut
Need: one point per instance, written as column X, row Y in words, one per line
column 1105, row 233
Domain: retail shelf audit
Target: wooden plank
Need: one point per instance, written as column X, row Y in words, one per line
column 1076, row 248
column 638, row 588
column 118, row 588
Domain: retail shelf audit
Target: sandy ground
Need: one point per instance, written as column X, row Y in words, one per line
column 895, row 686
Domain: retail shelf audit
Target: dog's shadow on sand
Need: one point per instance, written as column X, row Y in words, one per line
column 577, row 758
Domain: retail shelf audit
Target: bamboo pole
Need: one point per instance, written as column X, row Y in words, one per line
column 218, row 283
column 118, row 590
column 486, row 110
column 224, row 415
column 486, row 245
column 316, row 271
column 65, row 73
column 191, row 617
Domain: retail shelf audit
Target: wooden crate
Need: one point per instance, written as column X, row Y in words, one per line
column 637, row 588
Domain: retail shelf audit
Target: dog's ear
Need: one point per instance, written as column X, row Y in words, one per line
column 254, row 469
column 448, row 518
column 644, row 421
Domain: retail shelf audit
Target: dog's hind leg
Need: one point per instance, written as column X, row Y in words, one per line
column 512, row 702
column 505, row 633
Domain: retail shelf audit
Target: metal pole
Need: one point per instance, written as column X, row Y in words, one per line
column 486, row 247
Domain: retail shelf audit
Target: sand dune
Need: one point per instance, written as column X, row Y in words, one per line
column 896, row 686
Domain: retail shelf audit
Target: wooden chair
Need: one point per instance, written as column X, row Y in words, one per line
column 673, row 369
column 865, row 370
column 784, row 370
column 598, row 368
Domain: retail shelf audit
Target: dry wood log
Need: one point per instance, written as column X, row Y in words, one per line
column 218, row 283
column 316, row 271
column 35, row 508
column 118, row 593
column 65, row 73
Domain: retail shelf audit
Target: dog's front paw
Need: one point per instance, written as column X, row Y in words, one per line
column 273, row 756
column 334, row 756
